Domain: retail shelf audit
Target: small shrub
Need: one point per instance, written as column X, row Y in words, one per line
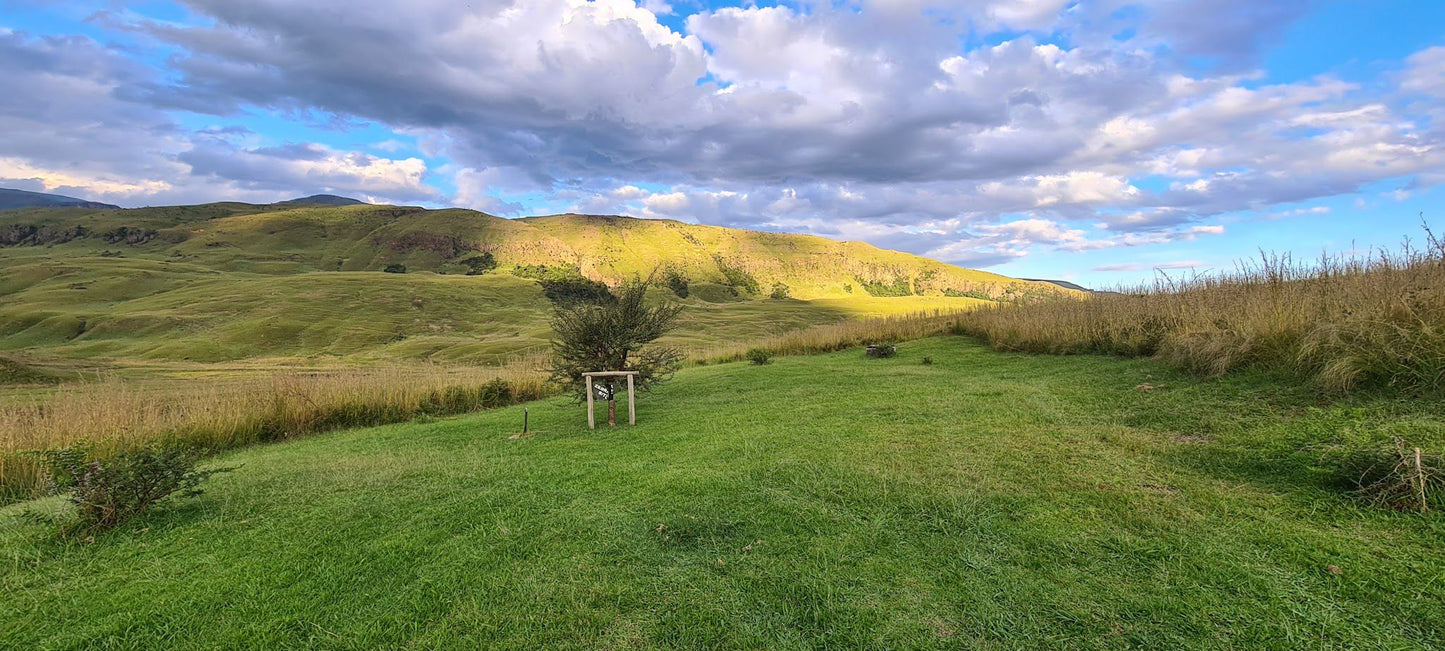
column 879, row 351
column 759, row 356
column 108, row 492
column 1399, row 477
column 395, row 269
column 780, row 291
column 928, row 361
column 496, row 393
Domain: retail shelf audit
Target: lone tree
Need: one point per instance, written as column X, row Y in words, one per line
column 611, row 334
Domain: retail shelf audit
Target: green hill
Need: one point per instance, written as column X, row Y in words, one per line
column 229, row 281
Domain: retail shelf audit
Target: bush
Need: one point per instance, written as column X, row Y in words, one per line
column 395, row 269
column 969, row 293
column 759, row 356
column 677, row 282
column 736, row 277
column 614, row 336
column 780, row 291
column 497, row 393
column 480, row 264
column 108, row 492
column 928, row 361
column 899, row 287
column 879, row 351
column 565, row 284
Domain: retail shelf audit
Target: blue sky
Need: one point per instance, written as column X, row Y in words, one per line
column 1099, row 141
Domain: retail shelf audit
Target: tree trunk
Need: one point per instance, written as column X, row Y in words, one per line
column 612, row 412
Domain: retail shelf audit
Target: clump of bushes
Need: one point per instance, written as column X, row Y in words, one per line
column 480, row 264
column 677, row 282
column 880, row 350
column 565, row 284
column 129, row 235
column 967, row 293
column 780, row 291
column 927, row 361
column 736, row 277
column 396, row 268
column 29, row 235
column 107, row 492
column 759, row 356
column 897, row 287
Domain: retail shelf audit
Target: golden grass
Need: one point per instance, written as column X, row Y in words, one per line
column 111, row 414
column 1342, row 322
column 837, row 336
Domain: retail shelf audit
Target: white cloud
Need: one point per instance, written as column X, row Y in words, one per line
column 862, row 119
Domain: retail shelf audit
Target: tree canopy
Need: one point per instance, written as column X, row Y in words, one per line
column 613, row 335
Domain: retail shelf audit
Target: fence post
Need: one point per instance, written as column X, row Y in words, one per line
column 631, row 404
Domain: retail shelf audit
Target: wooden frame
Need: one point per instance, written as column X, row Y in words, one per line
column 631, row 403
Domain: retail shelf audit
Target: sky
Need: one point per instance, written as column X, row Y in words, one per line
column 1099, row 141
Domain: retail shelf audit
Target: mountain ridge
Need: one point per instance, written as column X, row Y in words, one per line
column 15, row 199
column 325, row 200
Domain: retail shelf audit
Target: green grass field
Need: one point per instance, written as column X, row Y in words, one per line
column 987, row 500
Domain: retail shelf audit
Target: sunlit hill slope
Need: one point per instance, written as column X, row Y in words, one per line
column 230, row 281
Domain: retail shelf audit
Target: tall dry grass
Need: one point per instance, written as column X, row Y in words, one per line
column 837, row 336
column 110, row 414
column 1343, row 322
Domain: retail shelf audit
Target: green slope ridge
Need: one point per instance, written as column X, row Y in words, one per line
column 986, row 500
column 229, row 281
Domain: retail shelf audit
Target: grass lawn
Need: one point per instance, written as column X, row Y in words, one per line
column 984, row 500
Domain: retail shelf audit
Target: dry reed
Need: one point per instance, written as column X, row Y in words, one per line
column 110, row 414
column 837, row 336
column 1344, row 322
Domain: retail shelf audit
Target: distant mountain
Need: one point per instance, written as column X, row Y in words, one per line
column 1061, row 283
column 326, row 200
column 11, row 199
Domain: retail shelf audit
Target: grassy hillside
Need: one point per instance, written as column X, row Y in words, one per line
column 232, row 281
column 986, row 500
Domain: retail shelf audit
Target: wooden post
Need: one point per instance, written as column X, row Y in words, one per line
column 632, row 406
column 591, row 422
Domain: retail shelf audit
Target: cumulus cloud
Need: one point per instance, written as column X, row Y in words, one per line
column 77, row 130
column 1076, row 126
